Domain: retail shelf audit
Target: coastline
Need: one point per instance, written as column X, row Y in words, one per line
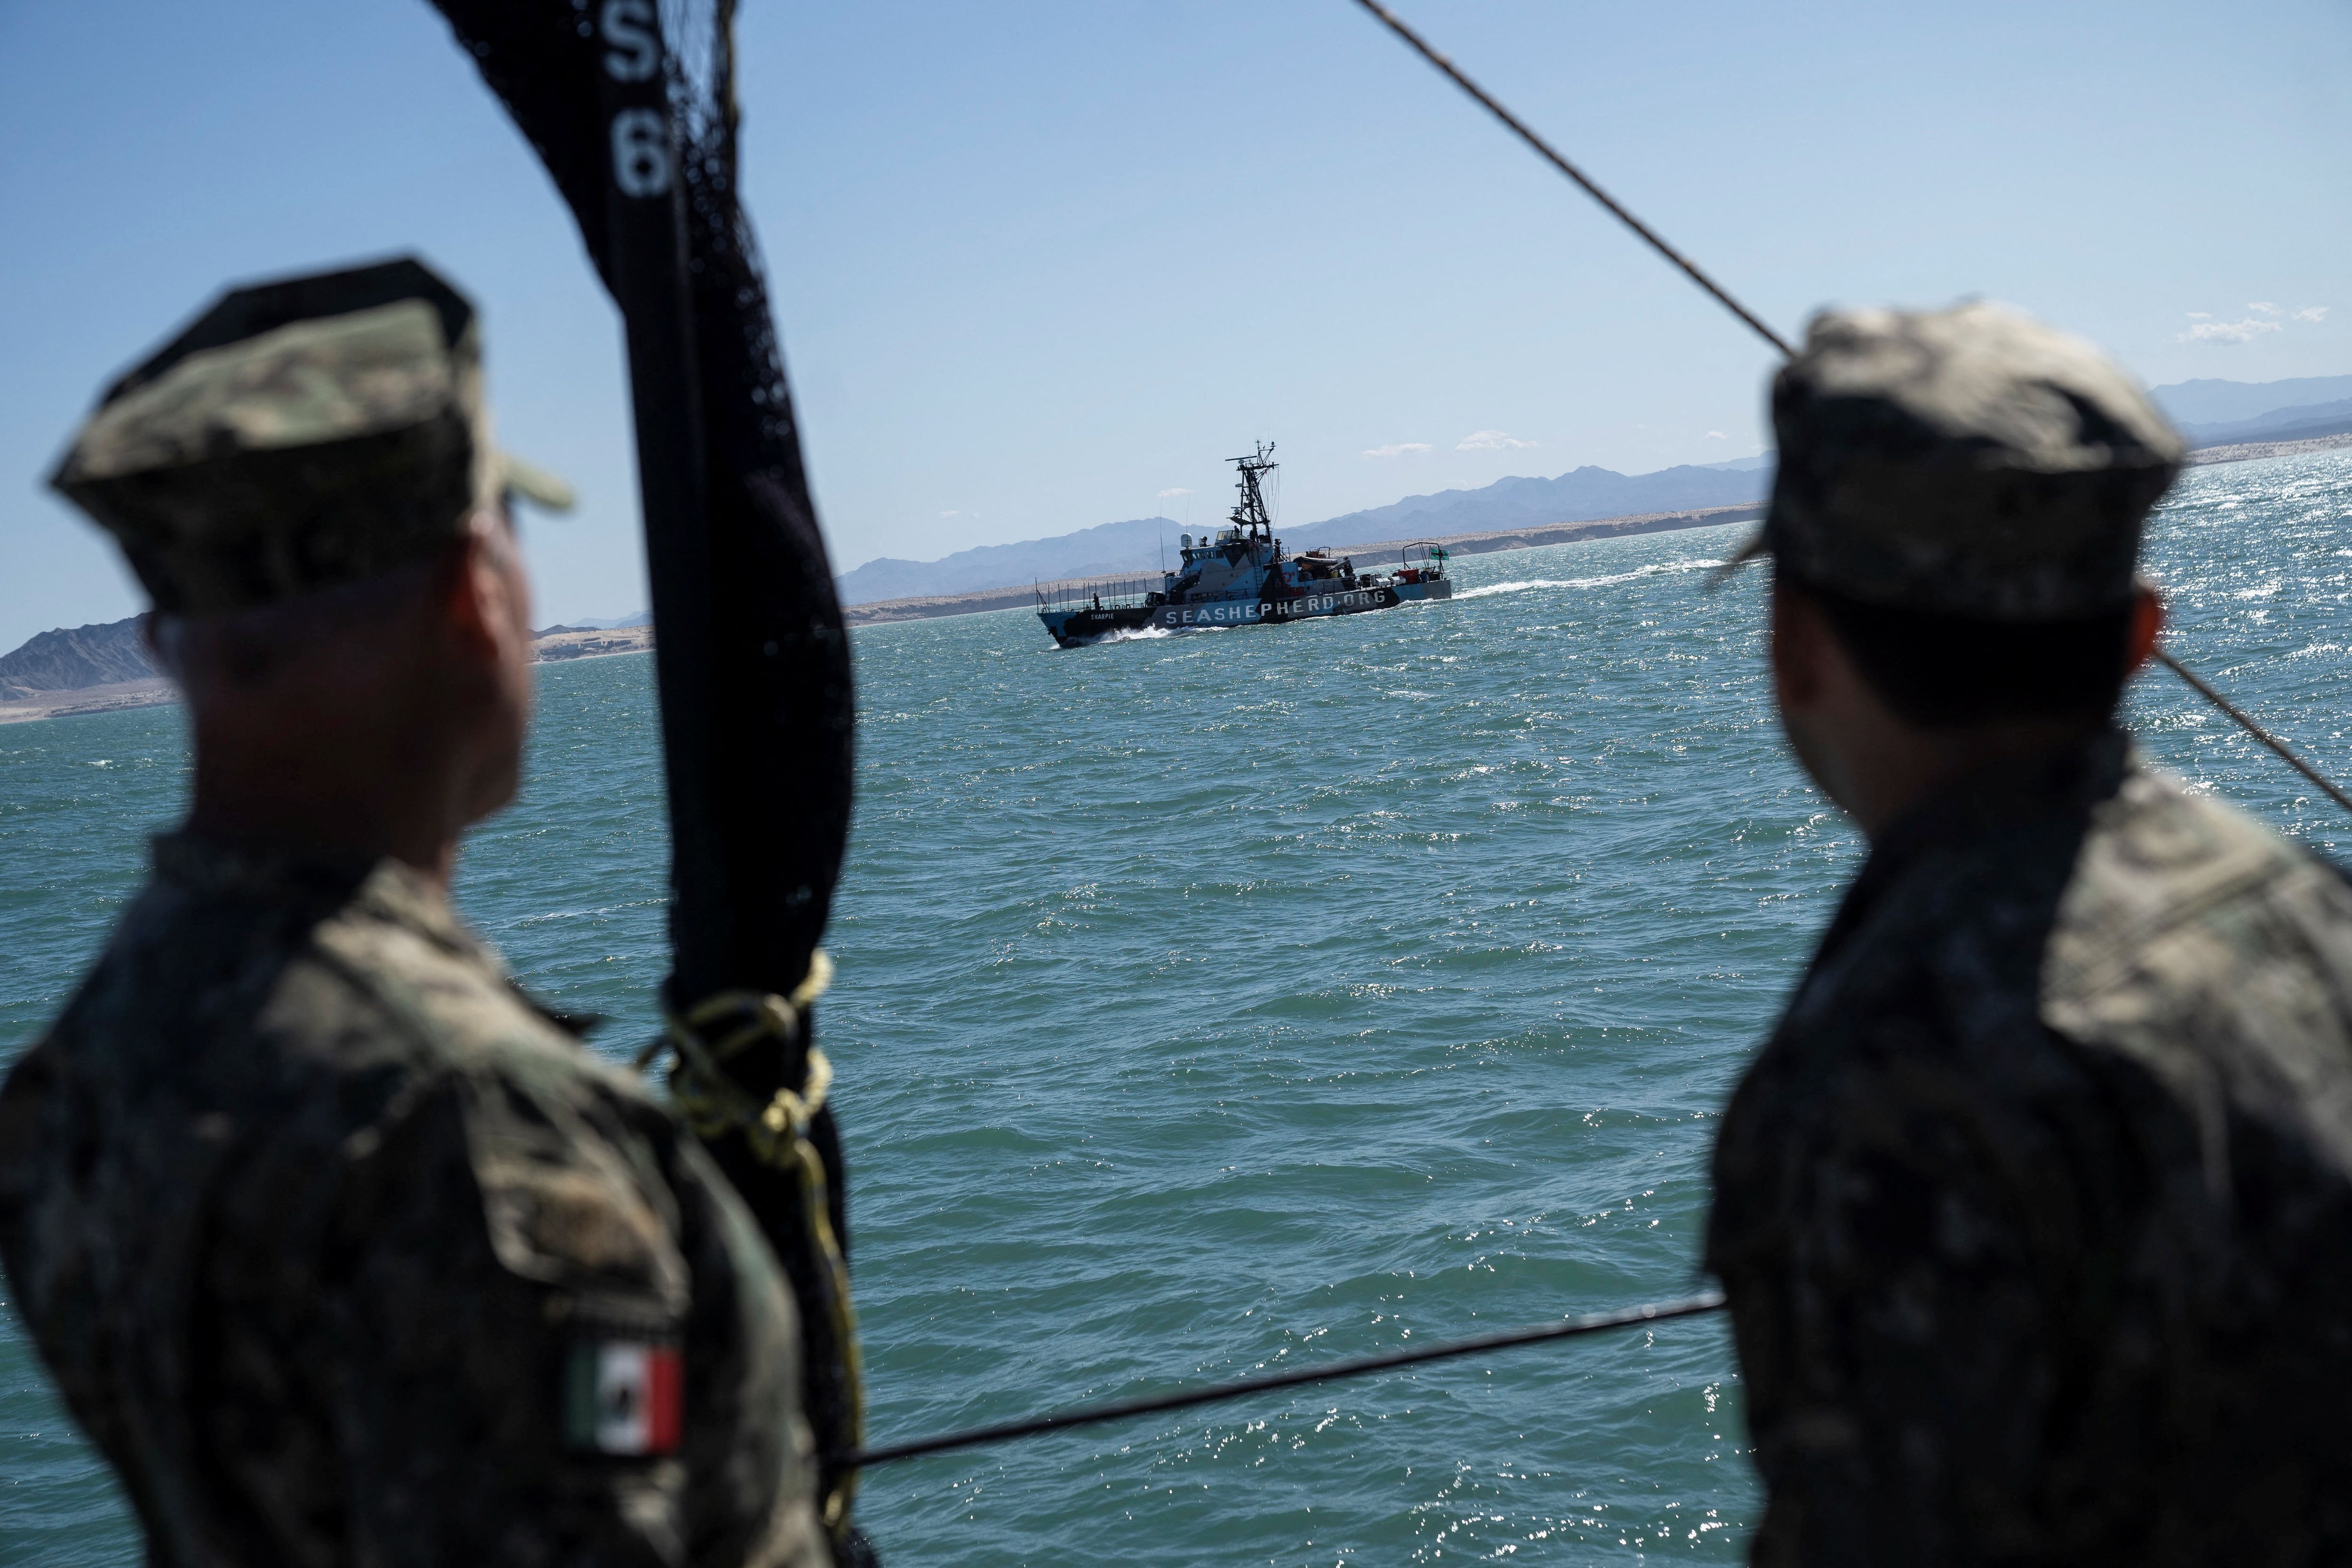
column 153, row 691
column 977, row 600
column 156, row 691
column 2254, row 450
column 1482, row 543
column 565, row 642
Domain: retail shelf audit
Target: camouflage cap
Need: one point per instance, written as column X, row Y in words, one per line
column 1969, row 462
column 299, row 433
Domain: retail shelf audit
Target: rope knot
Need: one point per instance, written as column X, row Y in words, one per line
column 713, row 1104
column 721, row 1027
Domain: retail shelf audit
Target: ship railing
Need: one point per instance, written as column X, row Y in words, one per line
column 1430, row 562
column 1092, row 594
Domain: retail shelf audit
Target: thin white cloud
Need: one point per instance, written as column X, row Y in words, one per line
column 952, row 514
column 1179, row 490
column 2266, row 306
column 2312, row 313
column 1488, row 441
column 2200, row 315
column 1397, row 450
column 2244, row 331
column 1717, row 435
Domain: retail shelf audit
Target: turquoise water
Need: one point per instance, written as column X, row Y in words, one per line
column 1217, row 1003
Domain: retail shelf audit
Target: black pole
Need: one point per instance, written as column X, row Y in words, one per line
column 638, row 131
column 645, row 206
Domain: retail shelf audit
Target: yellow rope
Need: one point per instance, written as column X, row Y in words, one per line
column 713, row 1105
column 817, row 982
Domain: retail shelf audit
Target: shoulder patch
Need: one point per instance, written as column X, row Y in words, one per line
column 551, row 1219
column 569, row 1198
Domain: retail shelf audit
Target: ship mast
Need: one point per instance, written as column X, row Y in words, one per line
column 1249, row 514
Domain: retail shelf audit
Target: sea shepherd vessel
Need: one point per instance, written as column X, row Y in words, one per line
column 1241, row 578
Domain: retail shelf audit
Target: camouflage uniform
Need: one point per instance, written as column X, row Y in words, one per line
column 317, row 1220
column 341, row 1250
column 2035, row 1213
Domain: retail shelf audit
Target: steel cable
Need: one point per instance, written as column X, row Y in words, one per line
column 1723, row 295
column 1186, row 1398
column 1183, row 1399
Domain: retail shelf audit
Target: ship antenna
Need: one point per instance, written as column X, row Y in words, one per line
column 1249, row 513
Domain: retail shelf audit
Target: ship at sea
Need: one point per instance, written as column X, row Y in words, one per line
column 1240, row 577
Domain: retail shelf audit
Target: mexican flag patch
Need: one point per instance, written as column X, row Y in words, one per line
column 623, row 1397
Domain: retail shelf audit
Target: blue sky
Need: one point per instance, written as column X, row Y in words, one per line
column 1038, row 265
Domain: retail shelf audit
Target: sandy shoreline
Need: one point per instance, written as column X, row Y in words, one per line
column 2254, row 451
column 558, row 645
column 157, row 690
column 983, row 598
column 1481, row 543
column 152, row 693
column 597, row 645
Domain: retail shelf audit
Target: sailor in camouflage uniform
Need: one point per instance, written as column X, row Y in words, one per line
column 341, row 1249
column 2035, row 1213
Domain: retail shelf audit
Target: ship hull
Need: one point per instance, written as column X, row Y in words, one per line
column 1073, row 628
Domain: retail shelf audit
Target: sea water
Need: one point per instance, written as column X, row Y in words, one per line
column 1222, row 1002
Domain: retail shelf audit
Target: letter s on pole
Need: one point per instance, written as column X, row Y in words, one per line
column 629, row 26
column 641, row 152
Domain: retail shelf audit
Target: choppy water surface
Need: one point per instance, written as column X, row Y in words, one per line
column 1219, row 1002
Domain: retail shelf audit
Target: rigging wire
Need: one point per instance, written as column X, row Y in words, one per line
column 1396, row 24
column 1711, row 1301
column 1618, row 210
column 2197, row 683
column 1184, row 1399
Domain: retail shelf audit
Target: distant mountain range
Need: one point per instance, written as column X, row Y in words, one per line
column 2209, row 413
column 1131, row 546
column 67, row 659
column 2203, row 403
column 1584, row 495
column 72, row 659
column 2302, row 423
column 1136, row 545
